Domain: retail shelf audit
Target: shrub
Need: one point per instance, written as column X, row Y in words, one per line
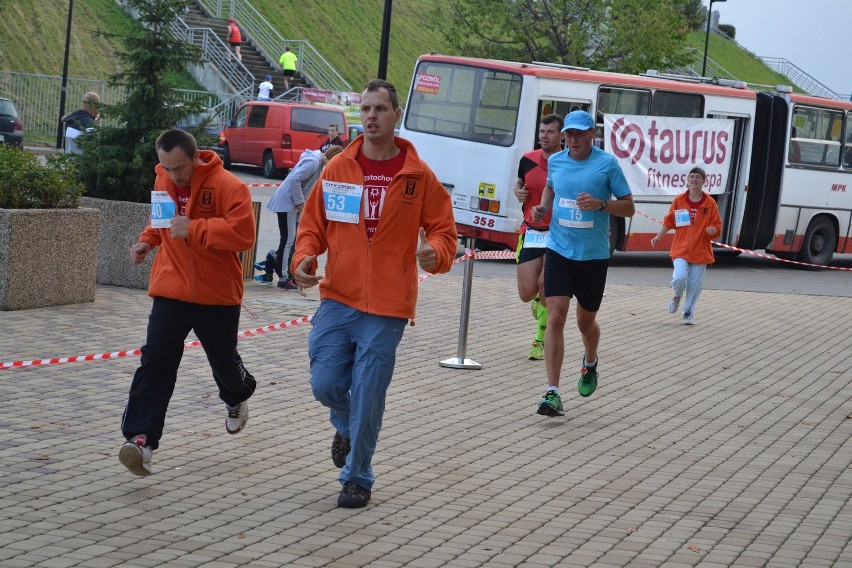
column 118, row 161
column 728, row 30
column 26, row 184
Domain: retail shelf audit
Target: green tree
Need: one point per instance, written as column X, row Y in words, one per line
column 629, row 36
column 693, row 11
column 118, row 161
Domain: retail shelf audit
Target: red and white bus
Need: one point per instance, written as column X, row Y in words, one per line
column 779, row 164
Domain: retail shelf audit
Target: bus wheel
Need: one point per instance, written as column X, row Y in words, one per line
column 820, row 242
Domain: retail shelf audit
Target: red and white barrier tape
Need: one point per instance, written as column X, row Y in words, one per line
column 495, row 255
column 135, row 352
column 467, row 254
column 189, row 344
column 759, row 254
column 263, row 184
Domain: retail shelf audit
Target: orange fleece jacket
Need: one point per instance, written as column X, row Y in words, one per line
column 204, row 267
column 692, row 242
column 378, row 277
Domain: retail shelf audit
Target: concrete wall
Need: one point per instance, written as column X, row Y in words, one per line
column 121, row 223
column 47, row 257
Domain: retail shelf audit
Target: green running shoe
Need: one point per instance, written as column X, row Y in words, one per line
column 588, row 381
column 536, row 351
column 551, row 404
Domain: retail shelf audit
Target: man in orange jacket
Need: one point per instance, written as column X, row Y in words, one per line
column 196, row 283
column 369, row 289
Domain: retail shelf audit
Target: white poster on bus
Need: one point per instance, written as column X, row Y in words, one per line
column 657, row 152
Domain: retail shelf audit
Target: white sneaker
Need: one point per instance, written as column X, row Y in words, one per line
column 687, row 319
column 237, row 417
column 674, row 303
column 135, row 455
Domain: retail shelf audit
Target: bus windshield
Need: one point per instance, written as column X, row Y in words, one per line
column 464, row 102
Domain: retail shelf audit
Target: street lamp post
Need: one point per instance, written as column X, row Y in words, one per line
column 385, row 42
column 64, row 74
column 707, row 35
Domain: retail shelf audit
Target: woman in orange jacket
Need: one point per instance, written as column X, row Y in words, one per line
column 695, row 218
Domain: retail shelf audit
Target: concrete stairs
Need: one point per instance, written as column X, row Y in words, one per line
column 251, row 57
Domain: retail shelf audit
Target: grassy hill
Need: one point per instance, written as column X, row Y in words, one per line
column 741, row 64
column 346, row 32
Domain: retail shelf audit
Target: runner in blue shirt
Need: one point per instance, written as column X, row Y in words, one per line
column 581, row 182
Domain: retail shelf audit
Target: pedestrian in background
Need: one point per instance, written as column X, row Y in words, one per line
column 334, row 138
column 287, row 203
column 235, row 38
column 694, row 216
column 80, row 121
column 264, row 89
column 288, row 61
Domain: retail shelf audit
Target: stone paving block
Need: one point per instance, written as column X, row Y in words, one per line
column 735, row 466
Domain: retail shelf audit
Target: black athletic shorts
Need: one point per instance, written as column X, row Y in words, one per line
column 581, row 279
column 523, row 255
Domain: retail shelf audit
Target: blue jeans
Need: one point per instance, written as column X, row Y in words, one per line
column 352, row 359
column 688, row 278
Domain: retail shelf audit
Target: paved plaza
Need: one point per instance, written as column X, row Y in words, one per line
column 727, row 443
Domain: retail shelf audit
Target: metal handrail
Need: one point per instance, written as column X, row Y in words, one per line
column 217, row 53
column 312, row 65
column 800, row 77
column 797, row 75
column 693, row 69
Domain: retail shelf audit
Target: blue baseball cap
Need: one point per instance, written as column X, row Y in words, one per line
column 578, row 120
column 269, row 77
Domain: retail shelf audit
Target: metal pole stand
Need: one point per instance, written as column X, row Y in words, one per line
column 459, row 361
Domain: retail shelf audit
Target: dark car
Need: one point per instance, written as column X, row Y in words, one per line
column 11, row 126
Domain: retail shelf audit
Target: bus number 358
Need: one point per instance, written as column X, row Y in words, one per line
column 483, row 221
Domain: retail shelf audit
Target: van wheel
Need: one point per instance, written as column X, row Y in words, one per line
column 820, row 242
column 269, row 169
column 226, row 157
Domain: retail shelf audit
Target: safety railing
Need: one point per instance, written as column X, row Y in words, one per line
column 312, row 65
column 37, row 99
column 217, row 53
column 693, row 68
column 800, row 77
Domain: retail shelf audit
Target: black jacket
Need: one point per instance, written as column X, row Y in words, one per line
column 79, row 119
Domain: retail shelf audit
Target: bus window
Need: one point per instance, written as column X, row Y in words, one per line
column 464, row 102
column 684, row 105
column 616, row 100
column 613, row 100
column 847, row 146
column 817, row 135
column 551, row 106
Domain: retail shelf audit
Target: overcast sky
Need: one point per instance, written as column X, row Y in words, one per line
column 815, row 35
